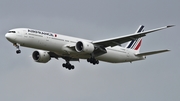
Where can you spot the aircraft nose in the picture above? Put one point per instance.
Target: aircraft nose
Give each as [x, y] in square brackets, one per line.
[9, 36]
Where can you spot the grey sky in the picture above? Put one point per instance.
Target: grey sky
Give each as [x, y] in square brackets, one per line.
[155, 79]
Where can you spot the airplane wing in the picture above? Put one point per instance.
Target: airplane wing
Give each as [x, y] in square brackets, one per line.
[151, 53]
[123, 39]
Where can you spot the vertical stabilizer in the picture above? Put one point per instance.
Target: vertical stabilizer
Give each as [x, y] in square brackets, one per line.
[136, 43]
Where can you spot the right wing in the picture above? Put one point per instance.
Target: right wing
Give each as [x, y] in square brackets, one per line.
[123, 39]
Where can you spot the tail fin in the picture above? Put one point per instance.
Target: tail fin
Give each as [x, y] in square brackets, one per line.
[136, 43]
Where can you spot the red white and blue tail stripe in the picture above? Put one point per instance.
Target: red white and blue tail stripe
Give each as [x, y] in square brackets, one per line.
[136, 44]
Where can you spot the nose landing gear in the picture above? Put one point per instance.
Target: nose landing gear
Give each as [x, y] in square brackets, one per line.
[18, 51]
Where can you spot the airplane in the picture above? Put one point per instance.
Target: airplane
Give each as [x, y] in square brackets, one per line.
[51, 45]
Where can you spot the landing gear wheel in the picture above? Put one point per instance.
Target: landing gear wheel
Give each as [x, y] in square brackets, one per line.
[17, 47]
[93, 61]
[72, 67]
[97, 62]
[68, 66]
[64, 65]
[18, 51]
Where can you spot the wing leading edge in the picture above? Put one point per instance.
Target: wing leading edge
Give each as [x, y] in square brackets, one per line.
[123, 39]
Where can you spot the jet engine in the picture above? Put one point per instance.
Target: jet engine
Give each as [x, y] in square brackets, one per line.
[86, 47]
[41, 56]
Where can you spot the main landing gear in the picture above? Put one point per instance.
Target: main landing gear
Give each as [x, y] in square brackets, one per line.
[18, 51]
[67, 65]
[93, 60]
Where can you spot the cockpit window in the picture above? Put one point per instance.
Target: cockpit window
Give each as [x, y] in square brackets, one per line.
[12, 32]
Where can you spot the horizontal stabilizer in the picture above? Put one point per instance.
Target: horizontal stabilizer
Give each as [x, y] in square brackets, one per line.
[151, 53]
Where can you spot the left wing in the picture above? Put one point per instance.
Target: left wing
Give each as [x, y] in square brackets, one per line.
[123, 39]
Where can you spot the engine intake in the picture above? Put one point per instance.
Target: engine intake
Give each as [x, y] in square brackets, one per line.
[41, 56]
[85, 47]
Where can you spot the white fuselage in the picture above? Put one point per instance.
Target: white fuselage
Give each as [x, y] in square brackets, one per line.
[58, 44]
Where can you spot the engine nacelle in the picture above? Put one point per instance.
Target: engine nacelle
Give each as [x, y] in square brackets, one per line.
[41, 56]
[86, 47]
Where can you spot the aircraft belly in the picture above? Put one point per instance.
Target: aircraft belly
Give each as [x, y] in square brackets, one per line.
[114, 56]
